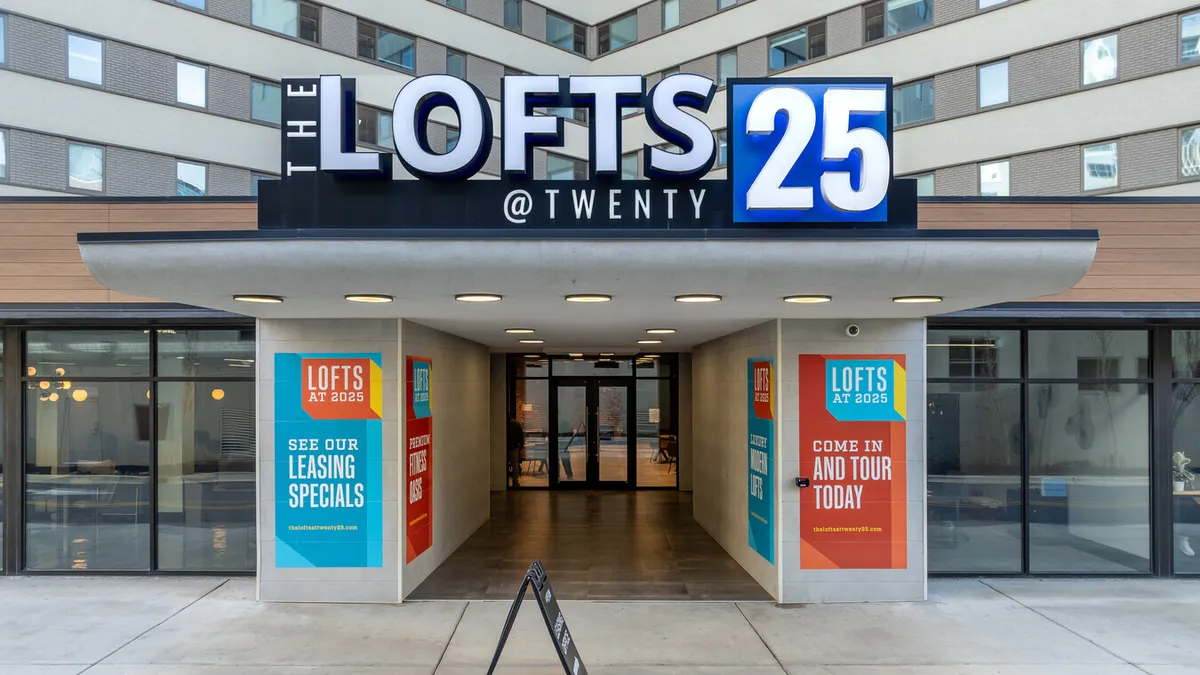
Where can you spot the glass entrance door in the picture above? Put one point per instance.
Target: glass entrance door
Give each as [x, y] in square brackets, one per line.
[593, 434]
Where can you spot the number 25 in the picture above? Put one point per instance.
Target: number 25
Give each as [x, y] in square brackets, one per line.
[767, 191]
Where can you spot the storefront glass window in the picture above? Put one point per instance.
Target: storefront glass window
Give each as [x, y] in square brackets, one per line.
[971, 353]
[657, 435]
[206, 353]
[528, 432]
[78, 354]
[1185, 450]
[1089, 354]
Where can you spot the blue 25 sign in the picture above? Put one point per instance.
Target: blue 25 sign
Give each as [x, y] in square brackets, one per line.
[810, 150]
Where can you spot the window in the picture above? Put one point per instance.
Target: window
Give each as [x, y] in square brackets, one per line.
[456, 64]
[195, 4]
[3, 154]
[568, 113]
[993, 84]
[669, 72]
[725, 4]
[670, 14]
[1100, 59]
[290, 17]
[451, 138]
[374, 126]
[265, 102]
[1094, 368]
[567, 34]
[1100, 167]
[912, 103]
[796, 46]
[722, 148]
[85, 59]
[191, 180]
[925, 185]
[727, 67]
[629, 166]
[255, 179]
[379, 44]
[984, 4]
[1189, 36]
[512, 14]
[457, 4]
[993, 179]
[3, 44]
[85, 167]
[565, 168]
[191, 84]
[885, 18]
[1189, 153]
[618, 33]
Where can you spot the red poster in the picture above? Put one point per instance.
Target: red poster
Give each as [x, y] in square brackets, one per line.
[853, 451]
[418, 432]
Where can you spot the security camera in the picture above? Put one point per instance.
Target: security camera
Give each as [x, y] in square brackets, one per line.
[852, 330]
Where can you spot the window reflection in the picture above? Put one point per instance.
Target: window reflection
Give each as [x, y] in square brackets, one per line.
[528, 434]
[87, 353]
[657, 435]
[971, 353]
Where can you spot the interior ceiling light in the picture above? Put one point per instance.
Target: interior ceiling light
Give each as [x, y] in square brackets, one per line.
[661, 331]
[807, 299]
[518, 331]
[606, 354]
[263, 299]
[479, 297]
[649, 342]
[574, 355]
[532, 342]
[588, 297]
[533, 356]
[649, 356]
[368, 297]
[917, 299]
[698, 297]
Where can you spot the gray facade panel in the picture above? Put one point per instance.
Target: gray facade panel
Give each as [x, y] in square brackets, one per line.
[593, 41]
[1052, 173]
[533, 21]
[705, 66]
[956, 93]
[649, 19]
[229, 93]
[36, 160]
[228, 181]
[1050, 71]
[957, 181]
[237, 11]
[485, 75]
[430, 58]
[1148, 160]
[133, 71]
[945, 11]
[695, 10]
[752, 58]
[491, 11]
[36, 48]
[1148, 48]
[130, 173]
[844, 31]
[339, 32]
[652, 79]
[492, 166]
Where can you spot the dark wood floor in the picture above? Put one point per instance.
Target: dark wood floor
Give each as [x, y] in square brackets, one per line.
[594, 546]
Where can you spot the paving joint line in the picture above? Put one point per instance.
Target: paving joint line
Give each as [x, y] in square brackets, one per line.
[760, 637]
[1072, 632]
[446, 649]
[137, 637]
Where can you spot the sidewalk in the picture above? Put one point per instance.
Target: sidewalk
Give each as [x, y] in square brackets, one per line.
[209, 626]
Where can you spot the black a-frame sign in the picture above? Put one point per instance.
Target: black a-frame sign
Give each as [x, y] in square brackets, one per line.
[556, 623]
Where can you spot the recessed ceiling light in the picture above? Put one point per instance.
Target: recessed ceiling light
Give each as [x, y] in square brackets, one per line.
[533, 356]
[518, 331]
[532, 342]
[807, 299]
[698, 297]
[574, 355]
[661, 331]
[649, 342]
[263, 299]
[368, 297]
[588, 297]
[649, 356]
[917, 299]
[606, 354]
[478, 297]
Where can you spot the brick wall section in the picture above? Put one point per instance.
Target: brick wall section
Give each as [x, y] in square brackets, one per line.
[491, 11]
[652, 79]
[955, 93]
[36, 160]
[1052, 173]
[649, 19]
[1147, 160]
[228, 181]
[237, 11]
[957, 181]
[533, 21]
[1050, 71]
[485, 75]
[431, 57]
[36, 48]
[752, 58]
[844, 31]
[705, 66]
[695, 10]
[129, 173]
[945, 11]
[1149, 47]
[539, 164]
[492, 165]
[339, 32]
[134, 71]
[229, 93]
[436, 133]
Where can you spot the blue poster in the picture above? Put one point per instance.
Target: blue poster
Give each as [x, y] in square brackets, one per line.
[328, 460]
[760, 393]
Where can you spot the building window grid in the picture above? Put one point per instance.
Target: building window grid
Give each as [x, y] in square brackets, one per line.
[912, 103]
[85, 167]
[277, 16]
[620, 32]
[389, 47]
[3, 154]
[1189, 152]
[670, 14]
[565, 33]
[85, 59]
[1100, 59]
[456, 64]
[512, 14]
[3, 39]
[1189, 37]
[887, 18]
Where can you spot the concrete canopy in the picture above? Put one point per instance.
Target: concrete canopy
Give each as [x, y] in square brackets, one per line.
[862, 271]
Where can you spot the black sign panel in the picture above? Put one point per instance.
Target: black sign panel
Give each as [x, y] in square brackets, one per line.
[564, 642]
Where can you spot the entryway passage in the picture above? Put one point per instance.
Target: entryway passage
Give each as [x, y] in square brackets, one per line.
[595, 546]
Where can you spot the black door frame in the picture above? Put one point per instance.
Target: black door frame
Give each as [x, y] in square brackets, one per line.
[591, 480]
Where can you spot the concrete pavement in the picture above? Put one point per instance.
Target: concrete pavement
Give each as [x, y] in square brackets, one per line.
[206, 626]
